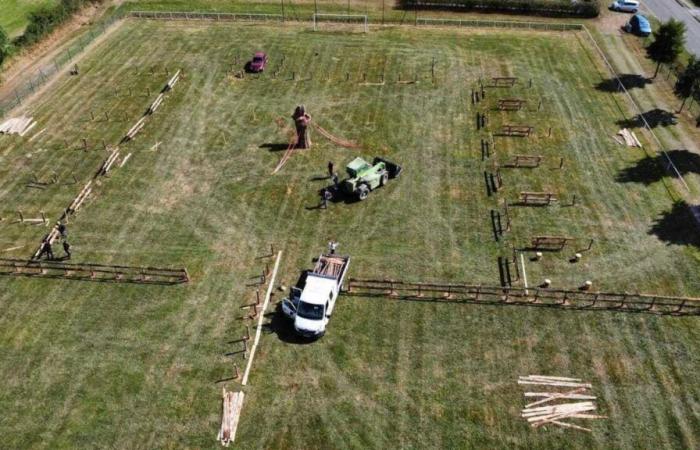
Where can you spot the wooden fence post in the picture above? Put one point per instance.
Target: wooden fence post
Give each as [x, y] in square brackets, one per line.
[680, 307]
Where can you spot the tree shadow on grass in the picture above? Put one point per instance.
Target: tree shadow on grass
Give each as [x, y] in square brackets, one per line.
[275, 147]
[677, 226]
[655, 117]
[629, 81]
[651, 169]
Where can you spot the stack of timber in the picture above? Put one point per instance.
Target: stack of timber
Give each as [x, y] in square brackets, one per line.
[156, 103]
[80, 199]
[329, 266]
[109, 162]
[629, 137]
[554, 406]
[172, 81]
[232, 404]
[19, 125]
[135, 129]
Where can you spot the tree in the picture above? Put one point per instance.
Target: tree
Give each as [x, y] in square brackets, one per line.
[688, 83]
[668, 43]
[4, 45]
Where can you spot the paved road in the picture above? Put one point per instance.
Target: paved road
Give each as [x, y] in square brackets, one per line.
[666, 9]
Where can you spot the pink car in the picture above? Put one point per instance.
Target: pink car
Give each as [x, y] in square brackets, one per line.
[257, 64]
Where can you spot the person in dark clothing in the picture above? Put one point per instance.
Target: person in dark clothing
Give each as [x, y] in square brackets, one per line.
[46, 250]
[325, 196]
[334, 177]
[63, 231]
[330, 169]
[66, 248]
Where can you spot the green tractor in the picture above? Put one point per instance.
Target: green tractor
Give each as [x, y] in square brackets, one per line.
[364, 177]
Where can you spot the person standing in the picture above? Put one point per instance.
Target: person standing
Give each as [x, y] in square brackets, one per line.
[330, 169]
[325, 196]
[334, 177]
[332, 246]
[62, 230]
[66, 248]
[46, 250]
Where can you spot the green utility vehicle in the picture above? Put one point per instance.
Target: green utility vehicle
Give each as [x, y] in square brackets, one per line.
[364, 177]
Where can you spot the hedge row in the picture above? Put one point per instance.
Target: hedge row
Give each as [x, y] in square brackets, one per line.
[44, 20]
[551, 8]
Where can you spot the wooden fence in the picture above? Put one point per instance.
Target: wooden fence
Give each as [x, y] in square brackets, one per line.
[93, 272]
[554, 298]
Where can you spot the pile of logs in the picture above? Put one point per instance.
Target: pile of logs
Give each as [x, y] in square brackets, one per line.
[80, 199]
[19, 125]
[156, 103]
[232, 404]
[135, 129]
[109, 162]
[549, 409]
[629, 137]
[172, 81]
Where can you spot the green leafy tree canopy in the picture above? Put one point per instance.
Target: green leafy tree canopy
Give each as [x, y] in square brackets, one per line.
[668, 43]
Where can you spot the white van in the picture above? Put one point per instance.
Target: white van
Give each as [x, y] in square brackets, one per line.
[630, 6]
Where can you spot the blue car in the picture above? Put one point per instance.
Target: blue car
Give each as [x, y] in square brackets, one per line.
[638, 25]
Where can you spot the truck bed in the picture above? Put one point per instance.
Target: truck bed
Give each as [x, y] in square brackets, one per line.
[331, 266]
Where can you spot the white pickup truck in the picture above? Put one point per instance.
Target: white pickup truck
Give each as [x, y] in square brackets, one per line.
[312, 306]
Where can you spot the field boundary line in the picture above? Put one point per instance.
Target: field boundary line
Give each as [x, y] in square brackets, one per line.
[434, 21]
[258, 331]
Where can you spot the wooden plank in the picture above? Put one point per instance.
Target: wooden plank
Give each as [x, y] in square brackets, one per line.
[555, 397]
[570, 425]
[258, 332]
[555, 383]
[537, 415]
[547, 377]
[568, 397]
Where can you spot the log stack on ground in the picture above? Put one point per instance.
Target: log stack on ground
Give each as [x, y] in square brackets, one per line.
[109, 162]
[232, 404]
[135, 129]
[552, 406]
[18, 125]
[171, 83]
[629, 137]
[156, 103]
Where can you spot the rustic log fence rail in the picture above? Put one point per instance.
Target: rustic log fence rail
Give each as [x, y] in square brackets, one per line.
[93, 272]
[556, 298]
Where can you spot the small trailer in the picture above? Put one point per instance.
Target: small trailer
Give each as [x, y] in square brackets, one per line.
[311, 306]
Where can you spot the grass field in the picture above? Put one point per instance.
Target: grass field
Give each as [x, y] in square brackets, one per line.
[14, 13]
[94, 365]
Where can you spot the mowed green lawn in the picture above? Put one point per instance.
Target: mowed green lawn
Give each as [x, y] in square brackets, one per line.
[93, 365]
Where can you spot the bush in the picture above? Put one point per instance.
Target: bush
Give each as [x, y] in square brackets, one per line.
[44, 20]
[4, 45]
[552, 8]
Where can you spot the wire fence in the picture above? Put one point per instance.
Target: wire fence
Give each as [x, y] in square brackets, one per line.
[640, 114]
[546, 26]
[215, 16]
[35, 80]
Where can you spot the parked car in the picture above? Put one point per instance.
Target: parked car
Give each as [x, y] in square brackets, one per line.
[638, 25]
[258, 63]
[630, 6]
